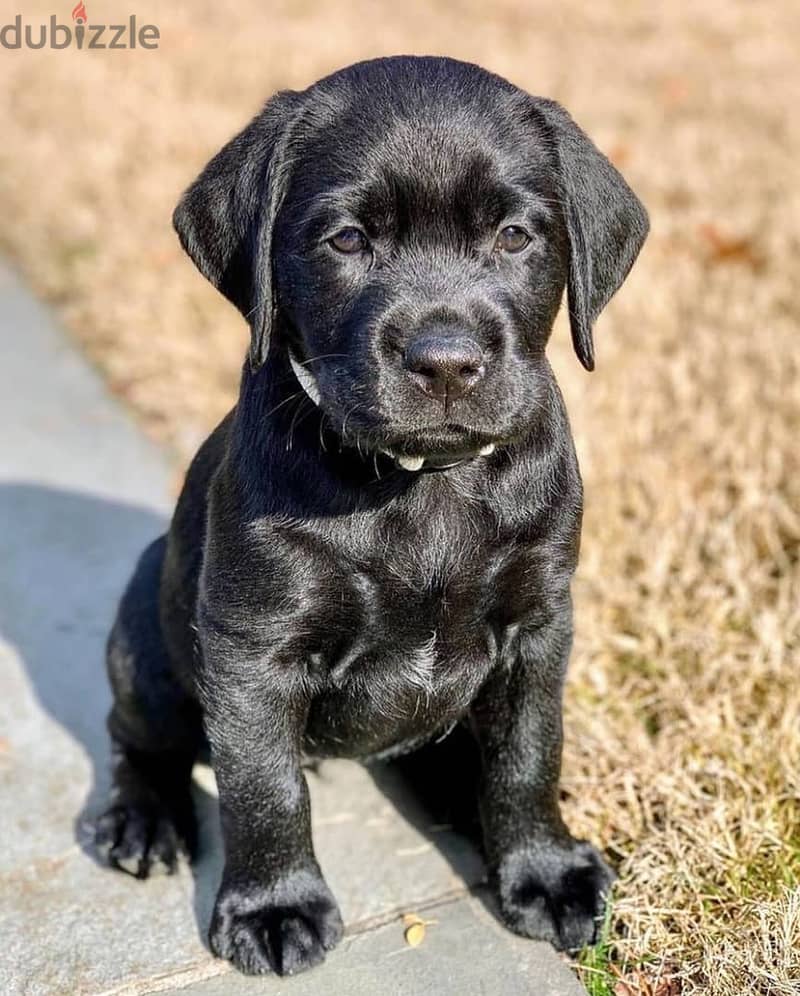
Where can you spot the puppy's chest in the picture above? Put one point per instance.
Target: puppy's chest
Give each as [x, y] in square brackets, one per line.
[406, 657]
[430, 577]
[404, 628]
[432, 594]
[402, 670]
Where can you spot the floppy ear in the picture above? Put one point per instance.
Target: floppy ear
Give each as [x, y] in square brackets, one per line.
[225, 219]
[606, 224]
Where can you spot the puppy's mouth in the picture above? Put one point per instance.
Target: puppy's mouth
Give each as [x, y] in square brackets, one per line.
[412, 449]
[437, 462]
[444, 447]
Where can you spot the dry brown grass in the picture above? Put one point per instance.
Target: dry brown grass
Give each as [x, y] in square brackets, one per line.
[684, 705]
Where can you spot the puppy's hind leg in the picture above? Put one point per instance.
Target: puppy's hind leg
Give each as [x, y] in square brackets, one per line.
[155, 735]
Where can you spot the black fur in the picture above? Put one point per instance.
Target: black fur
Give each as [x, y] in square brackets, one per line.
[313, 598]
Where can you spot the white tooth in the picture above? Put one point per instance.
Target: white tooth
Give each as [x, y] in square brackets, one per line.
[486, 450]
[411, 463]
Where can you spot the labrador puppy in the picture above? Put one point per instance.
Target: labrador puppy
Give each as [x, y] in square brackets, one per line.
[374, 549]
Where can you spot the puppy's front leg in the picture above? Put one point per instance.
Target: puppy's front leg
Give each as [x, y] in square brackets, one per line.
[549, 885]
[274, 911]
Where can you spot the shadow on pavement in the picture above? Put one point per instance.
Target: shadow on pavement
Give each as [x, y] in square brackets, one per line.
[435, 788]
[65, 559]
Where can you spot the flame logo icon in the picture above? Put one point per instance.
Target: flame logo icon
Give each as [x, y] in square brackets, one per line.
[79, 12]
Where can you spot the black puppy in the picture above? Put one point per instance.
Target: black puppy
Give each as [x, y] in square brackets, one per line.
[377, 543]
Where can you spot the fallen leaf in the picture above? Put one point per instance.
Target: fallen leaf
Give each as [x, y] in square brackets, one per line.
[724, 247]
[675, 90]
[415, 929]
[415, 934]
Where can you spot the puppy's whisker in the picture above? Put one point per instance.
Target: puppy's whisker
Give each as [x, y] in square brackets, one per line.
[294, 423]
[257, 307]
[285, 402]
[355, 407]
[322, 356]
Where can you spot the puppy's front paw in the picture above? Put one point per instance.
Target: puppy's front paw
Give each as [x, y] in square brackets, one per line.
[285, 927]
[554, 890]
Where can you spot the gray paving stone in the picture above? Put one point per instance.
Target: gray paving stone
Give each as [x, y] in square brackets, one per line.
[81, 492]
[464, 951]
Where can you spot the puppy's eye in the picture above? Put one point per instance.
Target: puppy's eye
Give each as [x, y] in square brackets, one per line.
[349, 241]
[512, 239]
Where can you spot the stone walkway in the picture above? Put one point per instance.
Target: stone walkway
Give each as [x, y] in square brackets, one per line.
[81, 492]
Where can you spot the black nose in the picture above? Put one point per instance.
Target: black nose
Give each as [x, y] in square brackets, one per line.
[445, 367]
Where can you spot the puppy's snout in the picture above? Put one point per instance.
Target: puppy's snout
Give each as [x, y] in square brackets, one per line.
[445, 367]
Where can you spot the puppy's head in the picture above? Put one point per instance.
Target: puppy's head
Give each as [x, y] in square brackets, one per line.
[405, 229]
